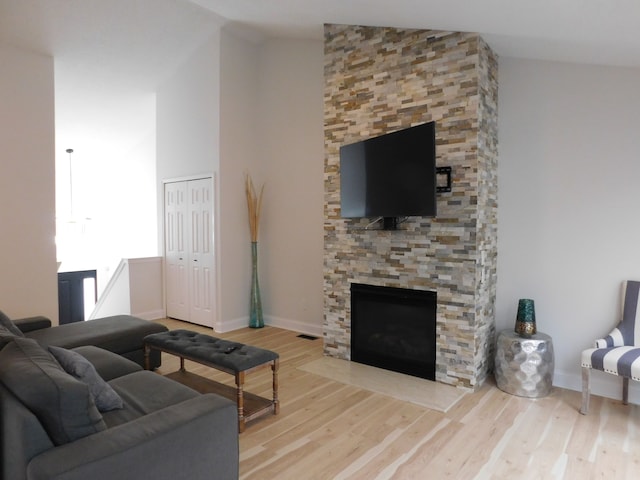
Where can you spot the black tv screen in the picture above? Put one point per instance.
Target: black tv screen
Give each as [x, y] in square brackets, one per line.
[392, 175]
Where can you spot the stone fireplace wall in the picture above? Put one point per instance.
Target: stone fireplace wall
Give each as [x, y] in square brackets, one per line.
[378, 80]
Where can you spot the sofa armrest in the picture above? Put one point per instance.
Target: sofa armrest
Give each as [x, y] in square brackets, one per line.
[197, 438]
[32, 323]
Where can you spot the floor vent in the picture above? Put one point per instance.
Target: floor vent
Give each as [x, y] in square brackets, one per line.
[307, 337]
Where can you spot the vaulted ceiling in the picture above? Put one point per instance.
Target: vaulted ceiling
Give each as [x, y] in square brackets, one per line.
[110, 54]
[585, 31]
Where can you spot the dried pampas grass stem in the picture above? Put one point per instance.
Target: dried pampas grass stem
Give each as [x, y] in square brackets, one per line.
[254, 204]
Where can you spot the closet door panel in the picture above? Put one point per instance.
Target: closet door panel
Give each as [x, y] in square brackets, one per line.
[201, 263]
[176, 255]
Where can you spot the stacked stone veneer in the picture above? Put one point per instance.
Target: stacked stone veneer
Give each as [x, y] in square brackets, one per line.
[378, 80]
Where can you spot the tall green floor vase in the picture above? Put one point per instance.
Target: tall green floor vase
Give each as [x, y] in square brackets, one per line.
[255, 309]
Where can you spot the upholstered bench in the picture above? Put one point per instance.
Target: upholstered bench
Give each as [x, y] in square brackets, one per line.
[230, 357]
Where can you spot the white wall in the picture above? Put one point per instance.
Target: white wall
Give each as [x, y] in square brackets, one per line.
[240, 153]
[187, 116]
[28, 285]
[116, 189]
[207, 124]
[568, 195]
[187, 126]
[145, 278]
[292, 141]
[136, 289]
[270, 126]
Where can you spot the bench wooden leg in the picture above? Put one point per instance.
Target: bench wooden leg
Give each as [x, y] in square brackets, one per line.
[276, 402]
[182, 364]
[239, 386]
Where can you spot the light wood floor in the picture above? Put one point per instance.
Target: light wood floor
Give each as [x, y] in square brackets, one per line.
[329, 430]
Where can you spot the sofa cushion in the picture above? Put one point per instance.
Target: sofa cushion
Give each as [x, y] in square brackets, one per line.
[79, 367]
[109, 365]
[118, 334]
[121, 334]
[9, 325]
[145, 392]
[62, 403]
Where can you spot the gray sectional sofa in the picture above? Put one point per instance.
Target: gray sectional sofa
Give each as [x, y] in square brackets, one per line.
[121, 334]
[85, 412]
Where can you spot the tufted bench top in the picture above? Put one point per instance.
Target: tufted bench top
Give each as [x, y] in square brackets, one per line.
[232, 356]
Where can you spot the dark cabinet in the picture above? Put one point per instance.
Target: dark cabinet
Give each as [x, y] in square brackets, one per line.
[71, 291]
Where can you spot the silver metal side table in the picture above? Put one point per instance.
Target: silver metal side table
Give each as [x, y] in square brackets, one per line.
[524, 366]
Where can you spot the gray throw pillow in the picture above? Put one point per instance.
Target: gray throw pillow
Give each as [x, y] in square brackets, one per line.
[62, 403]
[5, 336]
[9, 325]
[75, 364]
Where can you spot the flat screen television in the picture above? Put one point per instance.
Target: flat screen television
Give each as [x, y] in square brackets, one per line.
[390, 176]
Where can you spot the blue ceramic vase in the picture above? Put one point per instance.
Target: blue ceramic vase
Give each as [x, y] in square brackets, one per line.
[255, 308]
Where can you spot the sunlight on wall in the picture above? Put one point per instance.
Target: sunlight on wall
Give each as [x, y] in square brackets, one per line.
[113, 215]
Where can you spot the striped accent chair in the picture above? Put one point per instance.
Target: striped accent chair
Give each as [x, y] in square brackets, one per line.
[619, 352]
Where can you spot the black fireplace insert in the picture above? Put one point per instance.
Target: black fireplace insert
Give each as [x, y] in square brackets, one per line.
[394, 328]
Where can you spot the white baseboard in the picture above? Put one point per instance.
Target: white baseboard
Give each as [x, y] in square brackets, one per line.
[294, 325]
[150, 315]
[602, 384]
[273, 321]
[231, 325]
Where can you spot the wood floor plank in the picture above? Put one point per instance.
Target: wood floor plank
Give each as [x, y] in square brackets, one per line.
[419, 461]
[393, 451]
[332, 431]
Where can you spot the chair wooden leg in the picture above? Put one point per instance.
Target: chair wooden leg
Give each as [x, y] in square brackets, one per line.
[625, 390]
[586, 389]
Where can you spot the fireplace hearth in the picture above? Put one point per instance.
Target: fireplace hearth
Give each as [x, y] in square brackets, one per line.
[394, 328]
